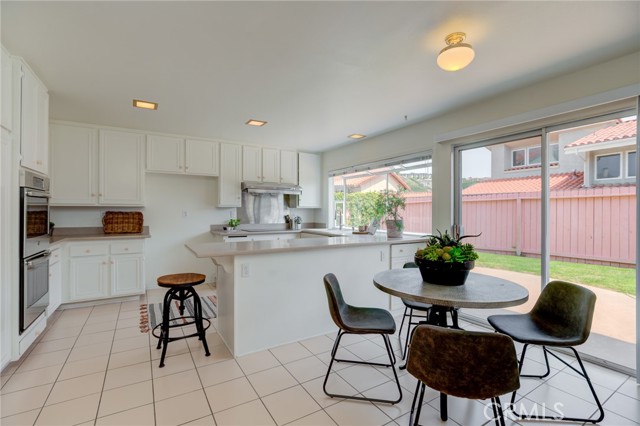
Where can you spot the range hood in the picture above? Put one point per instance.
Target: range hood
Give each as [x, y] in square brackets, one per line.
[271, 188]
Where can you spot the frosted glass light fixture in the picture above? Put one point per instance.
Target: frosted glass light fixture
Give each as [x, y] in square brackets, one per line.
[457, 54]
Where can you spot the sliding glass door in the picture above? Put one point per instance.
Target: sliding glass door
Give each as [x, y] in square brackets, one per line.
[560, 203]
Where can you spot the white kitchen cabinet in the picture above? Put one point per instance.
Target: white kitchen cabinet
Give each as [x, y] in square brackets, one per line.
[55, 281]
[269, 165]
[401, 254]
[182, 156]
[92, 167]
[100, 269]
[7, 105]
[74, 165]
[289, 167]
[230, 175]
[310, 180]
[121, 157]
[34, 120]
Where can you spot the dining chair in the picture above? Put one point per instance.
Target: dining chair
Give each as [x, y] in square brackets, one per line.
[561, 318]
[409, 307]
[465, 364]
[358, 320]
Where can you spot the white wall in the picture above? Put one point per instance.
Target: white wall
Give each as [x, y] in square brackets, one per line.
[604, 77]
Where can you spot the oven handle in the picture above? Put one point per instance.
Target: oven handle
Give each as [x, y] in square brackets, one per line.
[37, 259]
[37, 194]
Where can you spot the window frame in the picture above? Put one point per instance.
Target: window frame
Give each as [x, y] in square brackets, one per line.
[620, 165]
[524, 157]
[626, 171]
[529, 163]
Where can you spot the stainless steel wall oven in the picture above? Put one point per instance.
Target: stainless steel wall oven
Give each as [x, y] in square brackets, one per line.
[34, 247]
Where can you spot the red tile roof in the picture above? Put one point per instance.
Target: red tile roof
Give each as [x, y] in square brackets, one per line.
[560, 181]
[622, 130]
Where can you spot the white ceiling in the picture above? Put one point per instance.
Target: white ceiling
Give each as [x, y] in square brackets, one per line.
[316, 71]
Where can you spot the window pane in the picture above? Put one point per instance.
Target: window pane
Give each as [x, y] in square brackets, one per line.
[535, 155]
[631, 164]
[554, 156]
[608, 166]
[517, 158]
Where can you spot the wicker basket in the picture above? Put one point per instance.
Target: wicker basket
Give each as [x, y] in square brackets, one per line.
[122, 222]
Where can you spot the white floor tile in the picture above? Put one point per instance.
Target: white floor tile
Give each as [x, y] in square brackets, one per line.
[230, 394]
[125, 398]
[172, 365]
[75, 388]
[318, 344]
[362, 377]
[191, 405]
[22, 419]
[33, 378]
[319, 418]
[290, 352]
[175, 384]
[70, 412]
[357, 413]
[624, 406]
[250, 414]
[258, 361]
[335, 385]
[134, 356]
[307, 369]
[220, 372]
[128, 375]
[140, 416]
[270, 381]
[81, 368]
[24, 400]
[290, 404]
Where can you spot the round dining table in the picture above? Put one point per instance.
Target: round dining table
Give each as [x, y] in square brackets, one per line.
[480, 292]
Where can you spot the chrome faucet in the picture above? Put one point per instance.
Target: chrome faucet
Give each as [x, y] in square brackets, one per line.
[338, 217]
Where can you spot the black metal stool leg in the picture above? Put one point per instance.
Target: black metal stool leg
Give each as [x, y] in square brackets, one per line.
[197, 306]
[166, 310]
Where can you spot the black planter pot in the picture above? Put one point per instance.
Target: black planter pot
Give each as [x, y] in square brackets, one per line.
[443, 273]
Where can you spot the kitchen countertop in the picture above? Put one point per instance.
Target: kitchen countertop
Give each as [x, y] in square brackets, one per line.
[204, 250]
[92, 233]
[247, 230]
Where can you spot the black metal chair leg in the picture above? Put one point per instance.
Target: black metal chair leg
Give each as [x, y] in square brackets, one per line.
[413, 421]
[500, 415]
[404, 316]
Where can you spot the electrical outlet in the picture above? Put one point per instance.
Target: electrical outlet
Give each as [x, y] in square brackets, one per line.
[245, 270]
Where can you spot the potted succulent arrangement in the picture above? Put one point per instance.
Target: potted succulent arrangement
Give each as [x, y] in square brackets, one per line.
[232, 224]
[394, 203]
[446, 260]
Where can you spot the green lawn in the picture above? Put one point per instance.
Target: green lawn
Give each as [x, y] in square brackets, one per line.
[622, 280]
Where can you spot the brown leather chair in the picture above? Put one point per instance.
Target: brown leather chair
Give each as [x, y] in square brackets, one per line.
[560, 318]
[465, 364]
[358, 320]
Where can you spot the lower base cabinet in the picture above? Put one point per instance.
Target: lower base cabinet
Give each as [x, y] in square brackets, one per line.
[99, 269]
[401, 254]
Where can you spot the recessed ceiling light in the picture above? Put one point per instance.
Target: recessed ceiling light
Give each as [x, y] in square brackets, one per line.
[357, 136]
[145, 104]
[256, 123]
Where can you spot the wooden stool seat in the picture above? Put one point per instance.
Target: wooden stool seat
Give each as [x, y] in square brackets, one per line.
[183, 279]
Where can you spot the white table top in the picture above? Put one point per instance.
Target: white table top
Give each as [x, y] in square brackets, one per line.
[480, 291]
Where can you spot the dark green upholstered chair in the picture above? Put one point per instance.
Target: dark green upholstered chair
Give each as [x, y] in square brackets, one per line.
[357, 320]
[465, 364]
[560, 318]
[409, 307]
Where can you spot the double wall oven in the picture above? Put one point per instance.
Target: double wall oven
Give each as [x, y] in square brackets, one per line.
[34, 247]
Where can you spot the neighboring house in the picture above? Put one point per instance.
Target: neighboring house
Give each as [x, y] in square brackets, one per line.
[522, 157]
[609, 154]
[371, 183]
[557, 182]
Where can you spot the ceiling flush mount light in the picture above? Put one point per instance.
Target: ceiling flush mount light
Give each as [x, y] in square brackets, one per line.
[357, 136]
[256, 123]
[457, 54]
[145, 104]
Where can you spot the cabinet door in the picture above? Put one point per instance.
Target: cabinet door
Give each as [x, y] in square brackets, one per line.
[202, 158]
[88, 278]
[121, 168]
[289, 167]
[271, 165]
[127, 276]
[34, 122]
[310, 180]
[74, 165]
[165, 154]
[6, 74]
[55, 287]
[230, 175]
[251, 164]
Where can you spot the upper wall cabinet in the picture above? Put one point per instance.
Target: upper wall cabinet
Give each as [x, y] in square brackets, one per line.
[310, 177]
[269, 165]
[92, 167]
[6, 73]
[182, 156]
[230, 176]
[34, 119]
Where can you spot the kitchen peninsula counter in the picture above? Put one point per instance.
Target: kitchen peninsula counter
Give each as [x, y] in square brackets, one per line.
[271, 293]
[92, 233]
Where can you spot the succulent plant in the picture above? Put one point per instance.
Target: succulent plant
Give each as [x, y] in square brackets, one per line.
[448, 248]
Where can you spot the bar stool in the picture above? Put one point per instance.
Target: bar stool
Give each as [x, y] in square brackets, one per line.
[180, 288]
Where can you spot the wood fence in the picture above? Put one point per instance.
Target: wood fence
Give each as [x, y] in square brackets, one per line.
[589, 225]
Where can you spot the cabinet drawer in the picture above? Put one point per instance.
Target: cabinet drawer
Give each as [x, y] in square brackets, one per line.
[405, 250]
[126, 247]
[80, 250]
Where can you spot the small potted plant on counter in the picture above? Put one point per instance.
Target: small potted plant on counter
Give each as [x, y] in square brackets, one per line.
[232, 224]
[446, 260]
[394, 203]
